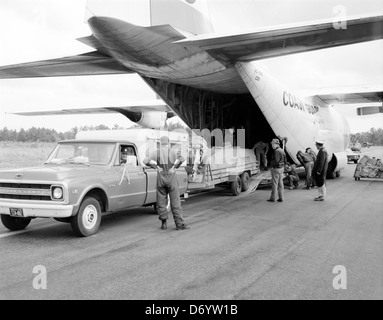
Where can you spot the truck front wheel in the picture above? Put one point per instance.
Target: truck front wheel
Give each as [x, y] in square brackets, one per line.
[14, 223]
[87, 221]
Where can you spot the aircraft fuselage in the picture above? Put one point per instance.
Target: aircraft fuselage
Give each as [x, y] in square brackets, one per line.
[154, 55]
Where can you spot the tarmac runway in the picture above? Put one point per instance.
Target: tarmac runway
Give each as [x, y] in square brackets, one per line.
[238, 248]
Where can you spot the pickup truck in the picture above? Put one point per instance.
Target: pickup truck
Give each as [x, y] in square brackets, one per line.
[82, 180]
[353, 156]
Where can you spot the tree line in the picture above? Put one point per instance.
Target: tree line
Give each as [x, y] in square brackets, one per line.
[46, 135]
[374, 136]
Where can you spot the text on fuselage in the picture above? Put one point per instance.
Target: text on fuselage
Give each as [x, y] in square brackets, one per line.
[294, 102]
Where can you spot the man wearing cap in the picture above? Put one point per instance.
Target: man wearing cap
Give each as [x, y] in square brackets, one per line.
[278, 160]
[165, 161]
[320, 169]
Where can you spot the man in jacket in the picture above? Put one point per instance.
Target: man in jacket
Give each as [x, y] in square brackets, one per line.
[277, 164]
[320, 170]
[166, 161]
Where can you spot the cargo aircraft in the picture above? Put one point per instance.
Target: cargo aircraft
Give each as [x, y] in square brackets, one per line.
[214, 81]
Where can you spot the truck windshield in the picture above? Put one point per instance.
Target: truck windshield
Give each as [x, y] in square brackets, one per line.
[82, 153]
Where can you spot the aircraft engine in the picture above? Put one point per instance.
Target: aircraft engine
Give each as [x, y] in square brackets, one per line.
[148, 119]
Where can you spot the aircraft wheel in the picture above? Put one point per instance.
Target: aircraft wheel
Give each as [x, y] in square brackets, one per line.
[236, 186]
[331, 175]
[14, 223]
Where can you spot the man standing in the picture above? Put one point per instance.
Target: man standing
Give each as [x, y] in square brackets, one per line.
[261, 148]
[320, 170]
[307, 160]
[277, 164]
[165, 161]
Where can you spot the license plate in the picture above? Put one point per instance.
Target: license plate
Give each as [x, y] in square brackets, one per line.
[16, 212]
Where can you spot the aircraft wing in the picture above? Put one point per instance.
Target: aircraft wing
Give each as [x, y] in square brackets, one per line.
[347, 95]
[91, 63]
[283, 40]
[134, 107]
[153, 48]
[368, 97]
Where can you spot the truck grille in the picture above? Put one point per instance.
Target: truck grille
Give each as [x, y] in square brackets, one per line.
[25, 191]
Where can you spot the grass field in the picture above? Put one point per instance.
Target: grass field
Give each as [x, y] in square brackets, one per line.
[28, 154]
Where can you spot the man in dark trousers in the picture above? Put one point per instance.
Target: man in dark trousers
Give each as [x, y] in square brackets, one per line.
[320, 169]
[166, 161]
[277, 164]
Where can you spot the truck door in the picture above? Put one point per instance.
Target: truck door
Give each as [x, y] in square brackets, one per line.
[131, 182]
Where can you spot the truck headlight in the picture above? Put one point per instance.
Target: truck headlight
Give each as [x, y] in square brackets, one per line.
[57, 193]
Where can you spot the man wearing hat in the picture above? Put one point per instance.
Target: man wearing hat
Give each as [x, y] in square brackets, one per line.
[165, 161]
[278, 160]
[320, 169]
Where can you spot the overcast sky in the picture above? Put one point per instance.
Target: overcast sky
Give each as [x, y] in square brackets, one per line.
[33, 30]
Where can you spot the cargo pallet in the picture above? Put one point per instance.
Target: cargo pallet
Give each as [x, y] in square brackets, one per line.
[369, 168]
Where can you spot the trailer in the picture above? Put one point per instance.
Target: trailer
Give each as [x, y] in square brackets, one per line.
[233, 166]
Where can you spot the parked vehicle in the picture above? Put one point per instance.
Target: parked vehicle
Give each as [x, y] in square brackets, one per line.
[84, 179]
[355, 146]
[352, 156]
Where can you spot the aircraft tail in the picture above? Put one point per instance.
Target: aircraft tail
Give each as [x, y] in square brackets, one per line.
[188, 15]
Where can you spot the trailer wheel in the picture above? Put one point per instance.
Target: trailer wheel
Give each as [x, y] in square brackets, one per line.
[245, 177]
[236, 186]
[14, 223]
[87, 221]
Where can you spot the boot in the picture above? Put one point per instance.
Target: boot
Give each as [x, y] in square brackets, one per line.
[164, 225]
[182, 227]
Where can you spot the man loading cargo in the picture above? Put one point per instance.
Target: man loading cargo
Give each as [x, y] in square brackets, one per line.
[307, 159]
[261, 148]
[278, 162]
[165, 161]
